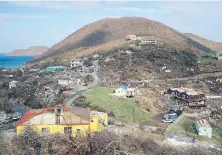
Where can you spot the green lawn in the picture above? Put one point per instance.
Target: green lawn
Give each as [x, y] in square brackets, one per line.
[185, 125]
[125, 110]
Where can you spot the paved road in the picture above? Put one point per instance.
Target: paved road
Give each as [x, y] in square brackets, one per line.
[95, 83]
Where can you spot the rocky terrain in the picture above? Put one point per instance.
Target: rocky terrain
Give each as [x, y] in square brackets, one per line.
[31, 51]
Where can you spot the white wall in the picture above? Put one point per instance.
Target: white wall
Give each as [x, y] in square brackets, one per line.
[120, 92]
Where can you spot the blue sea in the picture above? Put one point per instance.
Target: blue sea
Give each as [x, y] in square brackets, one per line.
[13, 61]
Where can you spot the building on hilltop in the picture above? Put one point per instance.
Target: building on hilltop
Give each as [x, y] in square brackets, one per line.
[203, 128]
[73, 121]
[131, 37]
[147, 40]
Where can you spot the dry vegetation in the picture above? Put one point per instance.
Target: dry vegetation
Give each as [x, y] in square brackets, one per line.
[102, 143]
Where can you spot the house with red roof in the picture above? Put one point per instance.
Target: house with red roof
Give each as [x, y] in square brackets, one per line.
[74, 121]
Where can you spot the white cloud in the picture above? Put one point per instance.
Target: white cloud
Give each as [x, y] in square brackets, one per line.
[59, 5]
[6, 16]
[136, 10]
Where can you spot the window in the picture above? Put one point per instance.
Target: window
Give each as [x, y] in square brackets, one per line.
[78, 132]
[45, 130]
[67, 130]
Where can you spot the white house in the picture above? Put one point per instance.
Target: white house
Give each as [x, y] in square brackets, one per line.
[76, 62]
[121, 91]
[13, 84]
[125, 91]
[64, 82]
[131, 37]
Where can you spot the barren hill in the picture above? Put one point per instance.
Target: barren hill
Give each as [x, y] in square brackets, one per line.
[208, 43]
[31, 51]
[112, 29]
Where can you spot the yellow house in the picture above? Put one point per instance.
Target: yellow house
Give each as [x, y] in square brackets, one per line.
[74, 121]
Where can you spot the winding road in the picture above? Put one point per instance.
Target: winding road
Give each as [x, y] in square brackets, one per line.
[80, 92]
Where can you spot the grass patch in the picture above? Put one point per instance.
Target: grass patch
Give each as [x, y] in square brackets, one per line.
[185, 125]
[125, 110]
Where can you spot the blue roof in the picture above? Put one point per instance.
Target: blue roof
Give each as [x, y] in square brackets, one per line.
[124, 87]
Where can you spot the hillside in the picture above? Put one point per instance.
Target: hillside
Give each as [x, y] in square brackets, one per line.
[215, 46]
[31, 51]
[113, 29]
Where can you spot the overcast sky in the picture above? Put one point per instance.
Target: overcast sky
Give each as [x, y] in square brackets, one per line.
[25, 24]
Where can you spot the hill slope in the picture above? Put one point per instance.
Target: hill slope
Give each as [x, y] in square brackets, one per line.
[31, 51]
[208, 43]
[112, 29]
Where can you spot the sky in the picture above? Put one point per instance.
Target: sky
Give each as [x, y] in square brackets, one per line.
[36, 23]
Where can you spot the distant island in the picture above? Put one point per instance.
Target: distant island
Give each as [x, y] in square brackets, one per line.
[31, 51]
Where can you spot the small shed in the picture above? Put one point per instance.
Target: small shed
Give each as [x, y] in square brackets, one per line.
[203, 128]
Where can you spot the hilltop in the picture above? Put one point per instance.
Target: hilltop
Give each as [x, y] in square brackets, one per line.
[213, 45]
[103, 33]
[31, 51]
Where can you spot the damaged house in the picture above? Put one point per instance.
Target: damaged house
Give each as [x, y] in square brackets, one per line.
[73, 121]
[147, 40]
[192, 97]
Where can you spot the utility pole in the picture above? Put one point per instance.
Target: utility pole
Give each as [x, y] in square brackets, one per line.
[133, 115]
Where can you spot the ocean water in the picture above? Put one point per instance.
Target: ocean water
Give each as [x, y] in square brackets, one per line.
[13, 61]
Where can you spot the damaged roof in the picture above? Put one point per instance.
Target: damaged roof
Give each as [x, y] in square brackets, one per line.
[70, 115]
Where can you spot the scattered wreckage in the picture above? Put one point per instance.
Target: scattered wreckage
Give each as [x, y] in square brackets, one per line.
[192, 98]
